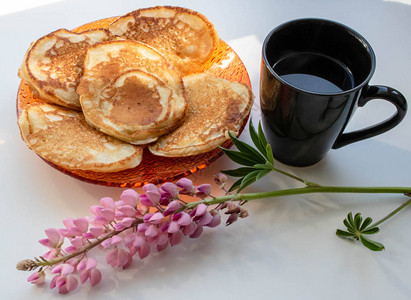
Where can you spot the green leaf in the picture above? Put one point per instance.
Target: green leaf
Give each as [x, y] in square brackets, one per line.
[350, 219]
[344, 233]
[246, 148]
[372, 245]
[240, 172]
[255, 138]
[365, 224]
[262, 167]
[371, 230]
[349, 226]
[270, 156]
[357, 221]
[235, 185]
[262, 173]
[239, 157]
[261, 136]
[248, 179]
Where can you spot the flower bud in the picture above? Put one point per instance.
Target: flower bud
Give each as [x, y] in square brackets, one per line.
[220, 179]
[186, 186]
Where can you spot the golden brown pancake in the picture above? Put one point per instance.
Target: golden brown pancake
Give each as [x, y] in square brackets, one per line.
[63, 137]
[215, 105]
[187, 38]
[136, 107]
[133, 115]
[53, 64]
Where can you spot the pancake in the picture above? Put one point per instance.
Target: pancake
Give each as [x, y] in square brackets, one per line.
[104, 65]
[185, 37]
[135, 108]
[63, 137]
[53, 65]
[215, 105]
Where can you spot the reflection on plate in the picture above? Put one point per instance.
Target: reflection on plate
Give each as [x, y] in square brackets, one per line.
[155, 169]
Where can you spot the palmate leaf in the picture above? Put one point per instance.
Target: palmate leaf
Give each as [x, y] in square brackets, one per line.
[344, 233]
[262, 173]
[269, 152]
[256, 139]
[372, 245]
[248, 179]
[240, 172]
[240, 158]
[261, 136]
[366, 223]
[356, 229]
[257, 161]
[247, 149]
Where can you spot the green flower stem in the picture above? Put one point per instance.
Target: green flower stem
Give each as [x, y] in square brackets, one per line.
[304, 190]
[307, 183]
[289, 175]
[394, 212]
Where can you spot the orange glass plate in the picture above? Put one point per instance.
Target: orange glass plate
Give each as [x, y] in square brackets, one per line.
[155, 169]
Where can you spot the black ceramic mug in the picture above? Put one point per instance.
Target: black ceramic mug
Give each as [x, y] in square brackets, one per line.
[314, 74]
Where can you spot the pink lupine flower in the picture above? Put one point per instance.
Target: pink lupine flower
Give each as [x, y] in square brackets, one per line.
[216, 220]
[144, 251]
[50, 254]
[150, 198]
[220, 179]
[116, 240]
[81, 224]
[162, 238]
[172, 207]
[95, 210]
[108, 214]
[125, 223]
[94, 275]
[94, 232]
[190, 228]
[147, 217]
[129, 197]
[197, 232]
[186, 186]
[64, 283]
[184, 219]
[152, 195]
[162, 247]
[142, 227]
[53, 239]
[203, 190]
[139, 241]
[199, 210]
[173, 227]
[37, 278]
[127, 210]
[129, 239]
[108, 202]
[169, 192]
[63, 269]
[156, 218]
[151, 231]
[126, 228]
[176, 238]
[118, 258]
[205, 219]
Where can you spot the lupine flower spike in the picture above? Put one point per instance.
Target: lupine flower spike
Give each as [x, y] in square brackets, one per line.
[133, 226]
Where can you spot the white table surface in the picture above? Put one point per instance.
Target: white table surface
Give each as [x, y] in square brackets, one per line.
[287, 247]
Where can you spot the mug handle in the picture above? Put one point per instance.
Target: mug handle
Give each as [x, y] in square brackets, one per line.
[376, 92]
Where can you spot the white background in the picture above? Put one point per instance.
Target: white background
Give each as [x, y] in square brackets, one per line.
[287, 247]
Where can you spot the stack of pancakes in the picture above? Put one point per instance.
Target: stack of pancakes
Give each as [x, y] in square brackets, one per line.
[108, 93]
